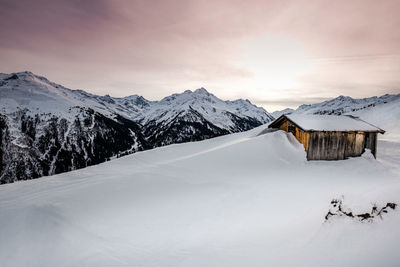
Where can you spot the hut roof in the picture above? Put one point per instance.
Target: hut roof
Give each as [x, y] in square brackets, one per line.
[328, 123]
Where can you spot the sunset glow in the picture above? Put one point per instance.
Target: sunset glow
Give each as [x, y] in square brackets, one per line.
[277, 62]
[276, 53]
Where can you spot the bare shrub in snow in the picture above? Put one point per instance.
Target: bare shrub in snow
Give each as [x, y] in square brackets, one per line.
[337, 209]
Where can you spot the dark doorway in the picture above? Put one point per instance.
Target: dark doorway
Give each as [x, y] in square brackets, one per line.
[292, 129]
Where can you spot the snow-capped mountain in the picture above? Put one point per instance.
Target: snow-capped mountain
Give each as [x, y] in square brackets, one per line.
[46, 128]
[197, 115]
[341, 105]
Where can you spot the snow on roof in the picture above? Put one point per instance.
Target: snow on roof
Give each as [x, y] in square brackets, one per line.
[331, 123]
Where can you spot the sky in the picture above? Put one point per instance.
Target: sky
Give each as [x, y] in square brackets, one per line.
[275, 53]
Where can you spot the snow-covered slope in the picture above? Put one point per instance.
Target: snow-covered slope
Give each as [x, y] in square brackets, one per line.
[238, 200]
[25, 90]
[385, 115]
[46, 128]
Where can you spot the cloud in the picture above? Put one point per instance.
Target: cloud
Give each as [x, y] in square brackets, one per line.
[158, 47]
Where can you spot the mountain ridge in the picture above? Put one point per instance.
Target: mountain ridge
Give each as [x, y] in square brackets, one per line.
[340, 105]
[46, 128]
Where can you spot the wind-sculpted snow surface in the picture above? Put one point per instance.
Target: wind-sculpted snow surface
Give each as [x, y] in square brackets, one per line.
[46, 128]
[245, 199]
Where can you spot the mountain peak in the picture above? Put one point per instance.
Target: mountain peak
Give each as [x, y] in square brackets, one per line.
[27, 72]
[345, 105]
[21, 74]
[342, 97]
[16, 75]
[41, 91]
[202, 91]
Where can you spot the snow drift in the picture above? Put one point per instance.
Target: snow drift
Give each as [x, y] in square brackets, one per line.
[245, 199]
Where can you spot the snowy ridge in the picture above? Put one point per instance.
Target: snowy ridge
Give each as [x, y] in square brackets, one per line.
[342, 105]
[36, 93]
[209, 106]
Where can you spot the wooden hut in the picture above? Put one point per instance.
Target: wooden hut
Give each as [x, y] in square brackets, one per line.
[329, 137]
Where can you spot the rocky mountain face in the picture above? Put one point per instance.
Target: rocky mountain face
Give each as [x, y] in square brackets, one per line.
[35, 145]
[47, 129]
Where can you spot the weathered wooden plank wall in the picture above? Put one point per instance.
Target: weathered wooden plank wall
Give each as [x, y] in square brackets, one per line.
[284, 126]
[332, 145]
[340, 145]
[355, 144]
[301, 136]
[327, 146]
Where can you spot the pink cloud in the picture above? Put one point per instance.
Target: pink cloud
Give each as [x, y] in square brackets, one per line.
[149, 46]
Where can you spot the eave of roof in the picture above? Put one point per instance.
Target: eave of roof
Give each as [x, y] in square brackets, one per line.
[281, 118]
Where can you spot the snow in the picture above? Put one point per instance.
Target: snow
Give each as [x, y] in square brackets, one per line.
[276, 114]
[246, 199]
[209, 106]
[239, 200]
[345, 104]
[39, 95]
[386, 116]
[331, 123]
